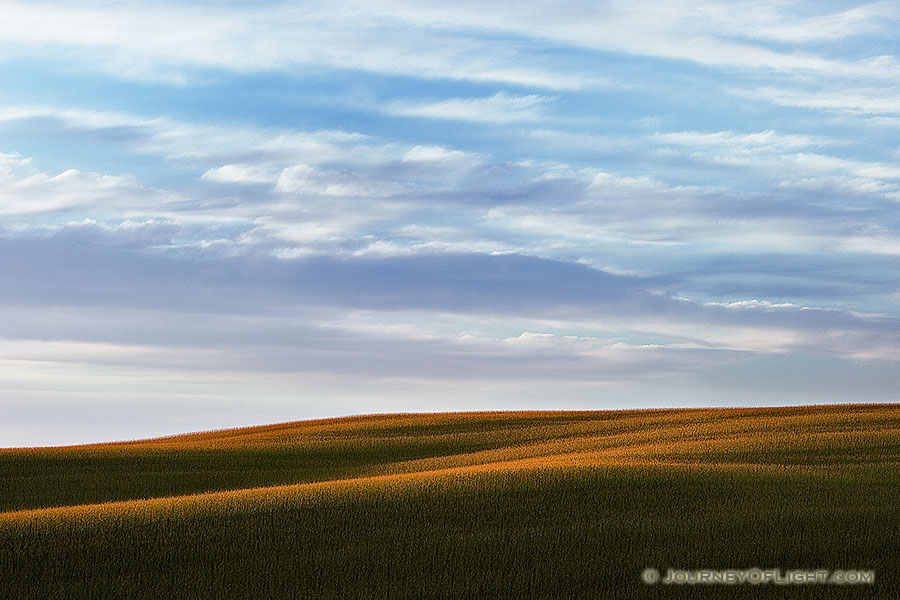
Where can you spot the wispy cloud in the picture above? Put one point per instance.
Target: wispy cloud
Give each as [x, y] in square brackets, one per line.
[770, 23]
[768, 141]
[703, 32]
[430, 40]
[499, 108]
[171, 43]
[853, 99]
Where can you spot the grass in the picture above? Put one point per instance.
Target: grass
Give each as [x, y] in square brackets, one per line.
[477, 505]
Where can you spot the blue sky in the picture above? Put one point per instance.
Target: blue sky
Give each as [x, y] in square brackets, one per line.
[220, 214]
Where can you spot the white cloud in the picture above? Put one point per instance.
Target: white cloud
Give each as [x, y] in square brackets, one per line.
[878, 244]
[381, 179]
[166, 42]
[422, 239]
[830, 164]
[441, 155]
[788, 161]
[876, 100]
[499, 108]
[237, 173]
[26, 191]
[12, 162]
[822, 172]
[705, 32]
[768, 141]
[432, 40]
[754, 303]
[205, 143]
[306, 180]
[774, 20]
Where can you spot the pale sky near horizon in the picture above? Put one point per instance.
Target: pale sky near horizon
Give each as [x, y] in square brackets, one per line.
[218, 214]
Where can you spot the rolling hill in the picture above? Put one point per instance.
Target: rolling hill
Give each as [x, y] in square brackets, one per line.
[462, 505]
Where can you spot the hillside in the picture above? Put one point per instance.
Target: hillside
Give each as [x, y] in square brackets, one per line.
[494, 505]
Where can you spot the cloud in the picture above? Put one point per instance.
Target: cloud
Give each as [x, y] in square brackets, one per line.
[25, 191]
[499, 108]
[887, 246]
[172, 43]
[768, 141]
[273, 190]
[875, 100]
[333, 207]
[213, 145]
[440, 155]
[368, 196]
[770, 24]
[86, 264]
[305, 180]
[429, 40]
[237, 173]
[704, 32]
[127, 317]
[133, 267]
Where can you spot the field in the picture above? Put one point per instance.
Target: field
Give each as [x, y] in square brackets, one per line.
[462, 505]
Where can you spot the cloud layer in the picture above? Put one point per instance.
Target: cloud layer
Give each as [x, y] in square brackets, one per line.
[279, 210]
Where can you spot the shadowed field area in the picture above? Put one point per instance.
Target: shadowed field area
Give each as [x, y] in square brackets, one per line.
[463, 505]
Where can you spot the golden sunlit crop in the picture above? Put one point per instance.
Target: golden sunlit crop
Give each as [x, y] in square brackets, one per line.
[505, 504]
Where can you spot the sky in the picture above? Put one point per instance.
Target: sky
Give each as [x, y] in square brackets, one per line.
[217, 214]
